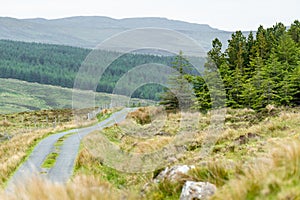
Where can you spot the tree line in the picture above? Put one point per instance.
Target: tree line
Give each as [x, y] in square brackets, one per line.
[59, 65]
[255, 70]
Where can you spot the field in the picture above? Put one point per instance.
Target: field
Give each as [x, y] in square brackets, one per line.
[20, 96]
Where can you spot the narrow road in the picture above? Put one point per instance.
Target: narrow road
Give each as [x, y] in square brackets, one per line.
[63, 168]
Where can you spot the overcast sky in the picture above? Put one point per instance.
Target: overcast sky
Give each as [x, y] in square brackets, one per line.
[227, 15]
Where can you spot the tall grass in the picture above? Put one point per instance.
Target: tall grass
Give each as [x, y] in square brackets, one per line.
[274, 176]
[80, 188]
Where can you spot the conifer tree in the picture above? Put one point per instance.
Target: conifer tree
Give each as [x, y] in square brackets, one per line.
[179, 94]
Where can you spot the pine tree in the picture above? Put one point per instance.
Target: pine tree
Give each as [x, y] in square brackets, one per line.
[208, 88]
[261, 45]
[179, 94]
[294, 32]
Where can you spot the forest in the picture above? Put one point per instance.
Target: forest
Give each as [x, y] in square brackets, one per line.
[58, 65]
[255, 70]
[261, 70]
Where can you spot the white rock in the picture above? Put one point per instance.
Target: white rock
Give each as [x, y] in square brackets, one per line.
[174, 173]
[197, 190]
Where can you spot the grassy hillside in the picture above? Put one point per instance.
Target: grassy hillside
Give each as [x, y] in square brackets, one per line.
[20, 96]
[250, 147]
[256, 156]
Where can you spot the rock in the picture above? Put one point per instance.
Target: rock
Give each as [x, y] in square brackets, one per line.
[197, 190]
[162, 133]
[174, 173]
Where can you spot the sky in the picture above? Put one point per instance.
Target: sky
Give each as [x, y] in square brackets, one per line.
[229, 15]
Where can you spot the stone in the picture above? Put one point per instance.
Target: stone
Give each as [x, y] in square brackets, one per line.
[174, 173]
[197, 190]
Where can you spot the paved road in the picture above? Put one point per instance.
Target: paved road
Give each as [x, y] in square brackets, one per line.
[63, 168]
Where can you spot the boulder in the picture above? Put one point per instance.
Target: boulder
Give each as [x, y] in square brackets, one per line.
[174, 173]
[197, 190]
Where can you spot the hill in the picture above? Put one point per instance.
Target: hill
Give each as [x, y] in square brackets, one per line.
[19, 96]
[90, 31]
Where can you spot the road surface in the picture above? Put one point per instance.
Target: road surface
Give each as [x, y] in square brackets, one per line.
[63, 168]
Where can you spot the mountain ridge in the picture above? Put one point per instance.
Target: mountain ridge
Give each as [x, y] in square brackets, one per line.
[89, 31]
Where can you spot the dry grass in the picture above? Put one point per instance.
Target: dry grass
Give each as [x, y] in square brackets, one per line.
[16, 123]
[273, 176]
[5, 123]
[145, 115]
[80, 188]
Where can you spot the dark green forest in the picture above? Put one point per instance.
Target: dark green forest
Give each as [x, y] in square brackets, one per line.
[256, 70]
[260, 70]
[58, 65]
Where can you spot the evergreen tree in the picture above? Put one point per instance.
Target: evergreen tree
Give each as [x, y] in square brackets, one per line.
[294, 32]
[261, 45]
[179, 94]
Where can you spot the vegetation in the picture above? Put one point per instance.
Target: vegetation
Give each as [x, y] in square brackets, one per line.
[178, 95]
[257, 71]
[50, 160]
[105, 114]
[41, 97]
[58, 65]
[234, 165]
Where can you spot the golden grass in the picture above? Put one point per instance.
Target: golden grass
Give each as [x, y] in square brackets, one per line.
[80, 188]
[16, 123]
[5, 123]
[273, 176]
[145, 115]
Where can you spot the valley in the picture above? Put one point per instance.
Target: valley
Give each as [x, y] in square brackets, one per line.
[226, 129]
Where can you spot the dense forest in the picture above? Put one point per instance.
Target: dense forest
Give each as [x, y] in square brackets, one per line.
[58, 65]
[255, 70]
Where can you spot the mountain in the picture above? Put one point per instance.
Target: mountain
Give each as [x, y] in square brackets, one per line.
[89, 31]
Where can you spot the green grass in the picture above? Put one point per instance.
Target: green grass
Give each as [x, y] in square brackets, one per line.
[20, 96]
[103, 116]
[50, 160]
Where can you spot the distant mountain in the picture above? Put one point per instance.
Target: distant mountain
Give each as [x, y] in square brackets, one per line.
[89, 31]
